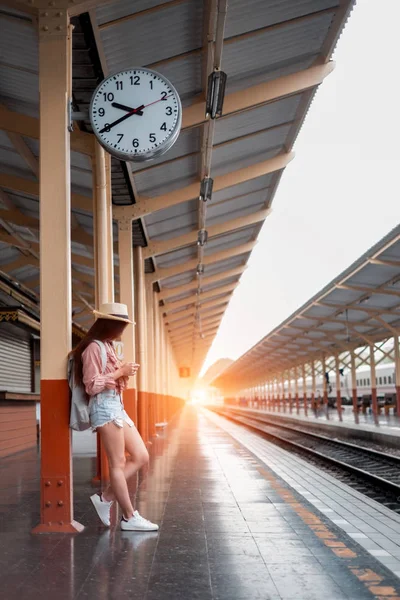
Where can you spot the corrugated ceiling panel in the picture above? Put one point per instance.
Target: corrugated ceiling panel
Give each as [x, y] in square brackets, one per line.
[236, 207]
[230, 240]
[177, 256]
[173, 30]
[158, 218]
[169, 177]
[117, 10]
[373, 275]
[18, 85]
[274, 48]
[259, 183]
[263, 14]
[8, 254]
[13, 163]
[5, 142]
[251, 121]
[241, 154]
[183, 223]
[19, 44]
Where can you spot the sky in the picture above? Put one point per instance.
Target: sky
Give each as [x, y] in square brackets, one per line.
[340, 194]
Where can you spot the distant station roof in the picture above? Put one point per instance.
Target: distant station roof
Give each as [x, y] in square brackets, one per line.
[360, 307]
[275, 55]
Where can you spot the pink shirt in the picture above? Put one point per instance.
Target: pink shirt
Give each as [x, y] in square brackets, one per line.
[94, 380]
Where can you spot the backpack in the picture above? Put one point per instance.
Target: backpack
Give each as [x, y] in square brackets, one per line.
[79, 415]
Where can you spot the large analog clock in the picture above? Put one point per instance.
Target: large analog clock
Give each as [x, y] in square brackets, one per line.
[136, 114]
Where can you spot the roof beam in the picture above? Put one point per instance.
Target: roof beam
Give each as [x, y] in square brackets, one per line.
[27, 186]
[13, 122]
[210, 259]
[263, 93]
[171, 292]
[145, 206]
[156, 248]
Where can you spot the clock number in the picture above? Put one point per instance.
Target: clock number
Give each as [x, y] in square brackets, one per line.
[151, 84]
[135, 80]
[168, 111]
[164, 127]
[109, 97]
[120, 85]
[121, 135]
[152, 137]
[135, 143]
[107, 127]
[163, 95]
[102, 112]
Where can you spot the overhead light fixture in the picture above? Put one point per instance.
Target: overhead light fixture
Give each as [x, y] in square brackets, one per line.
[206, 187]
[215, 94]
[200, 269]
[202, 237]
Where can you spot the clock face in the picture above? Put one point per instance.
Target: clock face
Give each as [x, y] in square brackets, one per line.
[136, 114]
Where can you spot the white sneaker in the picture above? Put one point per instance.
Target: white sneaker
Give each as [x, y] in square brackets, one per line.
[103, 508]
[137, 523]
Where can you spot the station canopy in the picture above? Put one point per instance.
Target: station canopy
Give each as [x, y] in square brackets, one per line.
[275, 54]
[359, 308]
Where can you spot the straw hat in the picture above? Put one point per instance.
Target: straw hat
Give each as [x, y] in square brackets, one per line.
[113, 311]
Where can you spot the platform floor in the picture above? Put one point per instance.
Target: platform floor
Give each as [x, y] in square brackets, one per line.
[236, 524]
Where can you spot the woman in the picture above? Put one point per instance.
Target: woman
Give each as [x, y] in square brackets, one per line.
[107, 415]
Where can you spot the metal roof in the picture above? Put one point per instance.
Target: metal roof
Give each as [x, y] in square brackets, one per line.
[358, 308]
[275, 54]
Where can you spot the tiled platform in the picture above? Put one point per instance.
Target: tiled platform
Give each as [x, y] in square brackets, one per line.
[386, 431]
[232, 528]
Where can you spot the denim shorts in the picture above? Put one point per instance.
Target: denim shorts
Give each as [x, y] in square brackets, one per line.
[107, 407]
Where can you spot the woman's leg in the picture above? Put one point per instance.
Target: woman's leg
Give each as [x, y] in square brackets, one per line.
[139, 457]
[113, 441]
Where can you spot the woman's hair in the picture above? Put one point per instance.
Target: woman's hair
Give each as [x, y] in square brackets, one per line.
[103, 330]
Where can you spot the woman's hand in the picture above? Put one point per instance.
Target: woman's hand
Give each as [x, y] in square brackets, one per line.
[128, 369]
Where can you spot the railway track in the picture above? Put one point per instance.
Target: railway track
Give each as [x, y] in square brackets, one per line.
[371, 472]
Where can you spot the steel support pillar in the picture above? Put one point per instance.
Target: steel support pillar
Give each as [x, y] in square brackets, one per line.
[55, 58]
[305, 401]
[290, 391]
[103, 260]
[397, 373]
[142, 387]
[313, 398]
[126, 296]
[354, 393]
[150, 359]
[325, 387]
[296, 390]
[338, 389]
[374, 395]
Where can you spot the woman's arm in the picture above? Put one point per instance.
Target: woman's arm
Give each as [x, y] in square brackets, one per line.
[94, 380]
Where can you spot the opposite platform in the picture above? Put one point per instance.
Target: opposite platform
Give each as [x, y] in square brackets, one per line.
[387, 431]
[231, 529]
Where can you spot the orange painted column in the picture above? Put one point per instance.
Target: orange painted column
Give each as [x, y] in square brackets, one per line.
[126, 287]
[56, 514]
[151, 360]
[142, 396]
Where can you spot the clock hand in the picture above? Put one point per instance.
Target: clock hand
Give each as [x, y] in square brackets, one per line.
[132, 112]
[155, 102]
[128, 108]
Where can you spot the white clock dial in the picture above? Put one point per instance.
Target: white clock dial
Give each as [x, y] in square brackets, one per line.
[136, 114]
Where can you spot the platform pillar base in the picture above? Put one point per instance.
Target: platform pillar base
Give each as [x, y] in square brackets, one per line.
[73, 527]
